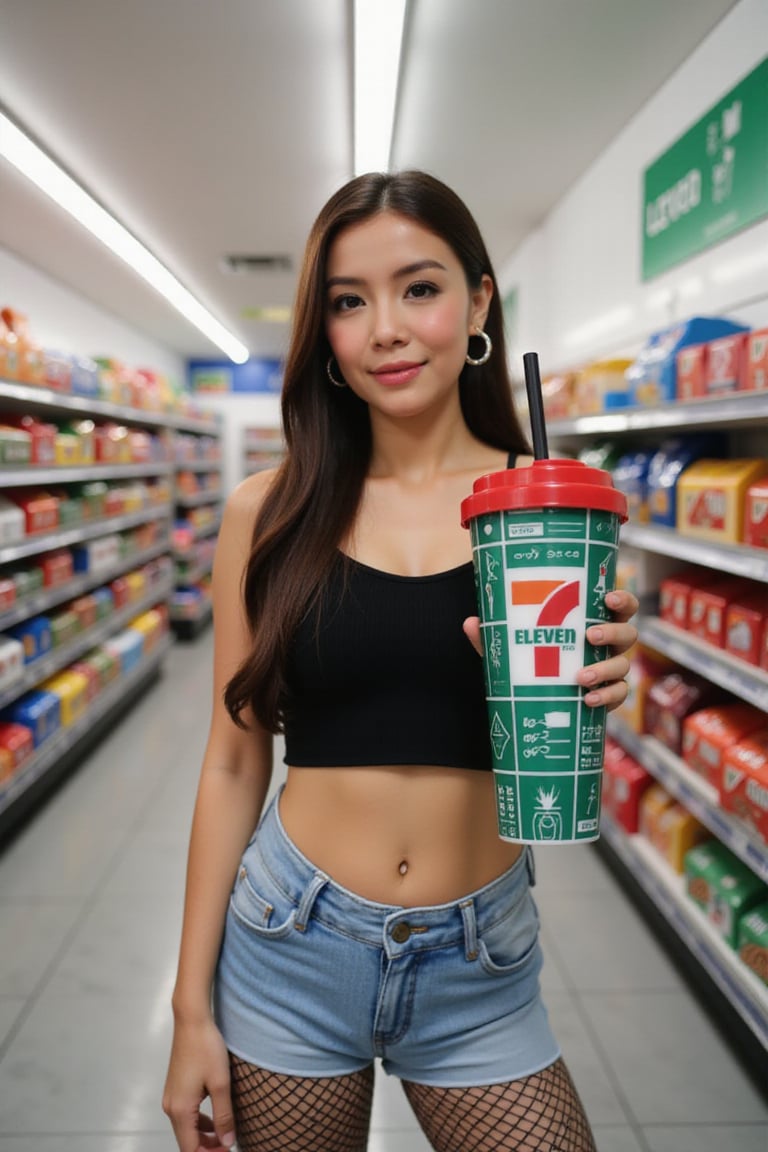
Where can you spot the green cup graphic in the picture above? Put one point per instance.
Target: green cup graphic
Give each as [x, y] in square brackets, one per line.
[544, 546]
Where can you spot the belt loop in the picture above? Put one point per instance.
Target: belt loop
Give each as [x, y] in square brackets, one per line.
[470, 928]
[530, 864]
[303, 912]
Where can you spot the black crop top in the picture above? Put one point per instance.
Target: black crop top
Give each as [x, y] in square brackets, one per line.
[389, 677]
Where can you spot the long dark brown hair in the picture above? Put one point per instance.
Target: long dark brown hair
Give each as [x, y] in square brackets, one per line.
[312, 503]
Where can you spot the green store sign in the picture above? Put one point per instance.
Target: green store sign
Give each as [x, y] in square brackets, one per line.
[712, 182]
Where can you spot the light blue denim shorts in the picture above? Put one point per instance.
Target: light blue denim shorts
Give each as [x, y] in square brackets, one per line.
[313, 980]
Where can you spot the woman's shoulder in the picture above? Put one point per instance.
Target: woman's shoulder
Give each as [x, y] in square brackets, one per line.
[245, 500]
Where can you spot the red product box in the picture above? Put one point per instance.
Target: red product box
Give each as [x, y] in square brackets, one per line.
[725, 357]
[7, 593]
[57, 567]
[114, 502]
[121, 592]
[90, 672]
[41, 511]
[755, 362]
[744, 781]
[763, 661]
[628, 782]
[42, 438]
[691, 369]
[745, 622]
[675, 594]
[670, 700]
[85, 608]
[18, 741]
[707, 610]
[710, 732]
[756, 515]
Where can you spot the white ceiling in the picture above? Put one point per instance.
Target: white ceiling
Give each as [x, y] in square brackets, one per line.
[211, 127]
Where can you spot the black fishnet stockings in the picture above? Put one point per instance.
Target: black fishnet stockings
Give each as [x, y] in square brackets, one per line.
[276, 1113]
[542, 1113]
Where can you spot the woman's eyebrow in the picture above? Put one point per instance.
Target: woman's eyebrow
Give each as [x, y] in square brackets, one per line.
[407, 270]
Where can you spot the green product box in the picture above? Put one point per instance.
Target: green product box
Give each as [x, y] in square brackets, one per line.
[70, 510]
[93, 495]
[753, 940]
[27, 581]
[724, 887]
[105, 664]
[700, 866]
[64, 627]
[15, 446]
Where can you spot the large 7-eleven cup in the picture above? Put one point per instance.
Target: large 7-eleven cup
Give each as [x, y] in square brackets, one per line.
[544, 545]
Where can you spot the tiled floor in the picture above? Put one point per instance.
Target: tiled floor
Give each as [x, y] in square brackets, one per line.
[90, 901]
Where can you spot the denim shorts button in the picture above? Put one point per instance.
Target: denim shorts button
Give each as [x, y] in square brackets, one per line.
[401, 932]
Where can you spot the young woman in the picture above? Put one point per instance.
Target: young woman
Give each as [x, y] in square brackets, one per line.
[372, 910]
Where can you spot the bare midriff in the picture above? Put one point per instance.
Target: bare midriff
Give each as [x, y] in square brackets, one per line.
[398, 835]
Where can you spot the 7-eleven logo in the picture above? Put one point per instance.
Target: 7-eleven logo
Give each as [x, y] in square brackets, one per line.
[557, 598]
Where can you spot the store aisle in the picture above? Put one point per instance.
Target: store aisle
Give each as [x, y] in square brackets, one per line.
[90, 899]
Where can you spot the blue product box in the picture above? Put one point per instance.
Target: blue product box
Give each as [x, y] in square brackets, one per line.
[40, 711]
[128, 647]
[35, 636]
[666, 466]
[631, 477]
[105, 602]
[652, 378]
[85, 376]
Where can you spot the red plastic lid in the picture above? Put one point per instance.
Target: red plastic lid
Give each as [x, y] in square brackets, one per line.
[544, 484]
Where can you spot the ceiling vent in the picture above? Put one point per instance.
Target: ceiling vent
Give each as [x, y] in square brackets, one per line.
[242, 264]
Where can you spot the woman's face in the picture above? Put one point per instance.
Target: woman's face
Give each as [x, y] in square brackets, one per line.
[399, 312]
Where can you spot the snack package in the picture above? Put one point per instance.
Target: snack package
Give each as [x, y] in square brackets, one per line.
[709, 732]
[743, 783]
[673, 698]
[711, 496]
[753, 940]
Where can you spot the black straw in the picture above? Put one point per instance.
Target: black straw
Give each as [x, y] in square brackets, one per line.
[535, 406]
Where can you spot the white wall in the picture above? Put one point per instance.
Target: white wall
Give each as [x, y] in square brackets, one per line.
[580, 293]
[61, 319]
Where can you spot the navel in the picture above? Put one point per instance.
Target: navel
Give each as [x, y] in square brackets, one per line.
[403, 867]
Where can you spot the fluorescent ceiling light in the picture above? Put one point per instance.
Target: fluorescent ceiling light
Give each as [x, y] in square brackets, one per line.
[378, 43]
[30, 160]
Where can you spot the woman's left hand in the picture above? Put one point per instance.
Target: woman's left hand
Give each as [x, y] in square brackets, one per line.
[607, 676]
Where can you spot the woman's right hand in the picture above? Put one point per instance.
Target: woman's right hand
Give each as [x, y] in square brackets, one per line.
[199, 1067]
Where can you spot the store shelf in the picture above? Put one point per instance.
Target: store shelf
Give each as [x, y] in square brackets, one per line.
[59, 658]
[32, 398]
[734, 558]
[49, 597]
[666, 889]
[695, 793]
[194, 574]
[721, 411]
[197, 466]
[31, 475]
[87, 530]
[744, 680]
[198, 498]
[51, 757]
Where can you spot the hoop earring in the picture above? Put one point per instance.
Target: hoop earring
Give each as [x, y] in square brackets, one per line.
[486, 354]
[329, 373]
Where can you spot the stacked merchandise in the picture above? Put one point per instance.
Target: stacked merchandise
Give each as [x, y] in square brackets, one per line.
[198, 506]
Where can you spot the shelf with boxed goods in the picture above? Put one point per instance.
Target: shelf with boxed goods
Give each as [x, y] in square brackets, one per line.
[85, 547]
[691, 455]
[739, 982]
[198, 499]
[262, 448]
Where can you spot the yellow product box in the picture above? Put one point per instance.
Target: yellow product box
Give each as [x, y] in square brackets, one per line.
[149, 624]
[675, 832]
[653, 803]
[135, 497]
[67, 449]
[137, 584]
[711, 496]
[72, 690]
[601, 386]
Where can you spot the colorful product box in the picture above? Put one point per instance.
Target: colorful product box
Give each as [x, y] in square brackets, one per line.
[42, 437]
[127, 647]
[11, 660]
[85, 608]
[629, 782]
[691, 368]
[753, 940]
[7, 593]
[40, 712]
[57, 567]
[675, 832]
[711, 496]
[72, 691]
[106, 663]
[644, 668]
[671, 700]
[756, 515]
[105, 602]
[15, 446]
[652, 376]
[64, 627]
[18, 742]
[97, 555]
[708, 607]
[655, 800]
[724, 366]
[40, 511]
[12, 524]
[675, 593]
[709, 732]
[35, 636]
[666, 467]
[744, 781]
[67, 449]
[700, 866]
[755, 363]
[745, 624]
[736, 891]
[27, 581]
[92, 677]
